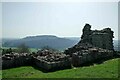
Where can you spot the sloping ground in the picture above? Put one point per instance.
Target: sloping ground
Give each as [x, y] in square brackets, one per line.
[108, 69]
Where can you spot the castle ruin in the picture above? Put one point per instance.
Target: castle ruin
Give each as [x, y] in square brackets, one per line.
[95, 45]
[98, 38]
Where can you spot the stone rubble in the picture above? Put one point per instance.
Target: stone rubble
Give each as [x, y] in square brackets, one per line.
[15, 60]
[50, 60]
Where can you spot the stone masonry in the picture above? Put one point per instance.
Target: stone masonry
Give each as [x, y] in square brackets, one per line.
[98, 38]
[51, 60]
[94, 45]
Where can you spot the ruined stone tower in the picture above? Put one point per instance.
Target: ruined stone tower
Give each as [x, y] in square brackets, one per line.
[98, 38]
[93, 38]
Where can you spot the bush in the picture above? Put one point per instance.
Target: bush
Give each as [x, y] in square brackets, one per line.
[6, 51]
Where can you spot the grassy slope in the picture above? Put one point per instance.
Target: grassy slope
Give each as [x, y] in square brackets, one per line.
[108, 69]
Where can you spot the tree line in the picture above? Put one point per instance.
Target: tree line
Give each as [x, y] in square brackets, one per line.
[22, 48]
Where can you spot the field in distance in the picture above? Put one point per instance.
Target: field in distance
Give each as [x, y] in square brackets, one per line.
[31, 49]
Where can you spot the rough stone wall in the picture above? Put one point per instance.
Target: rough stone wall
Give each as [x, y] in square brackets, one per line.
[16, 60]
[52, 66]
[51, 61]
[86, 34]
[94, 45]
[90, 55]
[98, 38]
[45, 59]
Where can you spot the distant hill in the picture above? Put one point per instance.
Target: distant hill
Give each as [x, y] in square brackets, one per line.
[48, 40]
[41, 41]
[73, 38]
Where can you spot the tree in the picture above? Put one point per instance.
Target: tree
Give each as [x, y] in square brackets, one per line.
[7, 51]
[22, 48]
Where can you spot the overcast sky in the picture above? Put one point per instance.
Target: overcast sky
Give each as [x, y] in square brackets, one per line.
[21, 19]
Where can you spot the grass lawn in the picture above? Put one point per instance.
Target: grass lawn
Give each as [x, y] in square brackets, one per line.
[108, 69]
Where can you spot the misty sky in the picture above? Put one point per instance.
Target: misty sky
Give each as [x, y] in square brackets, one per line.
[21, 19]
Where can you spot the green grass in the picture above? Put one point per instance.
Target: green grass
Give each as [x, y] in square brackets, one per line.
[0, 74]
[108, 69]
[33, 49]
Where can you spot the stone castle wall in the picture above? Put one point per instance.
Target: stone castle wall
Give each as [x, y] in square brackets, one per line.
[52, 66]
[15, 60]
[44, 59]
[94, 45]
[90, 55]
[50, 60]
[98, 38]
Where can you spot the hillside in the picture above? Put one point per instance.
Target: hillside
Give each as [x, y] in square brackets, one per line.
[41, 41]
[47, 40]
[108, 69]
